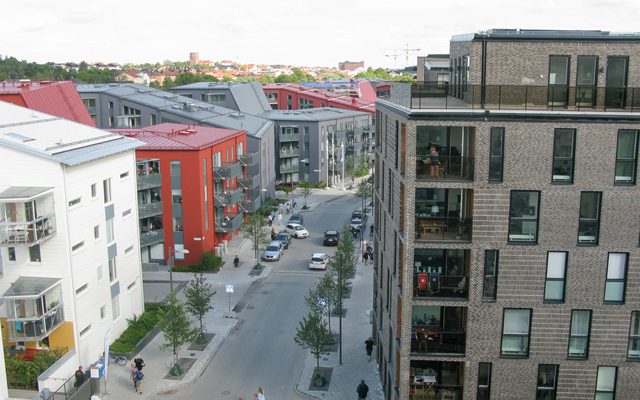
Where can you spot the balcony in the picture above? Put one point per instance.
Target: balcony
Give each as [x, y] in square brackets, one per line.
[149, 181]
[151, 237]
[34, 308]
[289, 152]
[436, 380]
[233, 196]
[228, 171]
[442, 168]
[229, 222]
[249, 159]
[519, 97]
[438, 330]
[250, 182]
[443, 214]
[289, 168]
[441, 273]
[26, 215]
[149, 209]
[251, 205]
[289, 137]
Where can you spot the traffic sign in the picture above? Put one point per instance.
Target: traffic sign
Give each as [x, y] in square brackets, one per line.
[229, 288]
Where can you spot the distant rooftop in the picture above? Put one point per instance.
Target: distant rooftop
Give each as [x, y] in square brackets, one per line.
[330, 98]
[248, 96]
[172, 136]
[312, 114]
[551, 34]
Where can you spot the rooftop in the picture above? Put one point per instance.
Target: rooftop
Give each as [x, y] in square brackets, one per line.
[172, 136]
[330, 98]
[248, 96]
[551, 34]
[312, 114]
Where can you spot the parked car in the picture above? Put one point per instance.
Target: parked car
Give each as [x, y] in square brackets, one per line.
[318, 261]
[297, 231]
[283, 237]
[356, 214]
[296, 219]
[273, 251]
[331, 238]
[355, 225]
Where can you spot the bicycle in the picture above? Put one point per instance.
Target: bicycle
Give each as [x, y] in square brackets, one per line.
[116, 359]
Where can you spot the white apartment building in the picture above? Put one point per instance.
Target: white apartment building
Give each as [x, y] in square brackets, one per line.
[69, 242]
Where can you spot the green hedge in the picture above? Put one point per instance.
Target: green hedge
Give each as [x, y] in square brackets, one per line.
[23, 374]
[138, 327]
[209, 263]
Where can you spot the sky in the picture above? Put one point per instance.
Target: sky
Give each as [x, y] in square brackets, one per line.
[291, 32]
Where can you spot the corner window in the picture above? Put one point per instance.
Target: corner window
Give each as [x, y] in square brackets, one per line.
[616, 278]
[634, 336]
[484, 381]
[626, 156]
[515, 332]
[547, 382]
[496, 154]
[554, 286]
[589, 224]
[564, 141]
[579, 335]
[490, 284]
[606, 383]
[523, 216]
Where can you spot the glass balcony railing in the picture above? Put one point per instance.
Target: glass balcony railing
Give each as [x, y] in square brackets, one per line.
[229, 222]
[288, 153]
[428, 340]
[149, 181]
[249, 159]
[289, 137]
[149, 210]
[26, 216]
[151, 237]
[444, 168]
[228, 171]
[250, 182]
[427, 391]
[287, 169]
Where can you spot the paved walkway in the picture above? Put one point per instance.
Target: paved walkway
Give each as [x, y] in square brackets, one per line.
[356, 328]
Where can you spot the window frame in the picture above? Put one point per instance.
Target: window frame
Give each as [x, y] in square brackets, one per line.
[624, 279]
[555, 158]
[528, 334]
[547, 388]
[584, 219]
[634, 159]
[487, 384]
[496, 130]
[634, 336]
[547, 279]
[493, 298]
[574, 336]
[537, 218]
[615, 381]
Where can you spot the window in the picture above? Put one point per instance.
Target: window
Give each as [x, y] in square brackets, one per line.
[82, 288]
[12, 253]
[126, 213]
[94, 191]
[484, 381]
[175, 168]
[558, 80]
[106, 187]
[128, 250]
[96, 232]
[589, 223]
[131, 285]
[113, 273]
[579, 335]
[153, 119]
[515, 332]
[112, 121]
[115, 306]
[606, 383]
[110, 232]
[99, 272]
[616, 278]
[547, 382]
[217, 160]
[110, 105]
[626, 156]
[218, 99]
[564, 141]
[634, 336]
[490, 284]
[124, 175]
[103, 312]
[34, 253]
[523, 216]
[75, 202]
[554, 285]
[586, 81]
[85, 330]
[496, 154]
[77, 246]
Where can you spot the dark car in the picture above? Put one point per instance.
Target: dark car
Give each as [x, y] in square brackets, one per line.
[331, 238]
[296, 219]
[283, 237]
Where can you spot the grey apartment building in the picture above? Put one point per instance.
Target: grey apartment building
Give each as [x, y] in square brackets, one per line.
[128, 105]
[507, 222]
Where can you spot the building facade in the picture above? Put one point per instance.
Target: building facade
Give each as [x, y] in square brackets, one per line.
[69, 244]
[137, 106]
[192, 184]
[506, 228]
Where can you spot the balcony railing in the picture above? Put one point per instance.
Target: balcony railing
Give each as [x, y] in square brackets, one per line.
[289, 137]
[151, 237]
[150, 209]
[444, 168]
[249, 159]
[228, 171]
[36, 328]
[284, 169]
[427, 391]
[435, 285]
[519, 97]
[27, 232]
[434, 340]
[233, 196]
[443, 228]
[250, 182]
[229, 222]
[284, 153]
[149, 181]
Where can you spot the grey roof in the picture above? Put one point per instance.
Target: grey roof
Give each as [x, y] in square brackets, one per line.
[198, 111]
[16, 193]
[312, 114]
[249, 96]
[551, 34]
[436, 64]
[30, 286]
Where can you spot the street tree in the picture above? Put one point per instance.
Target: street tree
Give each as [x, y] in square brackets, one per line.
[255, 230]
[342, 266]
[323, 297]
[198, 295]
[306, 191]
[177, 330]
[313, 334]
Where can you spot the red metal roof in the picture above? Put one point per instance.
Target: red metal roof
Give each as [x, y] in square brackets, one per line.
[59, 98]
[171, 136]
[327, 97]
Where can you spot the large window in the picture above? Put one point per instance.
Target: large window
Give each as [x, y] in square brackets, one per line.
[616, 278]
[523, 216]
[556, 276]
[490, 283]
[547, 382]
[586, 81]
[444, 152]
[558, 80]
[484, 381]
[626, 156]
[441, 273]
[579, 335]
[564, 141]
[589, 224]
[634, 336]
[496, 154]
[606, 383]
[516, 332]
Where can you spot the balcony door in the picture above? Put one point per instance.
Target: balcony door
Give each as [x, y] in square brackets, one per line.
[586, 81]
[616, 89]
[558, 80]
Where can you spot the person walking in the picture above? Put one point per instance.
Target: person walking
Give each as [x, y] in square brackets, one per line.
[362, 390]
[371, 230]
[139, 363]
[80, 377]
[261, 393]
[369, 346]
[365, 257]
[236, 261]
[137, 380]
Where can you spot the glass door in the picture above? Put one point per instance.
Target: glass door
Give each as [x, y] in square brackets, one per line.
[616, 89]
[558, 80]
[586, 81]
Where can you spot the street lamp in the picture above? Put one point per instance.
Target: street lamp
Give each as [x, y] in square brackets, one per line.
[172, 254]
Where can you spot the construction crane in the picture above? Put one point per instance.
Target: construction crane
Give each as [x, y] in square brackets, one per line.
[395, 58]
[406, 54]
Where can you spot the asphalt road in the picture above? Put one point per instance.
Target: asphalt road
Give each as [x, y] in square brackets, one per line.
[260, 351]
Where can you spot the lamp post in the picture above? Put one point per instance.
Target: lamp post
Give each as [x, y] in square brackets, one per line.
[172, 254]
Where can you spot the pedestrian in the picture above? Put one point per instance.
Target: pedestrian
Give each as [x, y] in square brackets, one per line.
[273, 234]
[133, 374]
[288, 208]
[236, 261]
[362, 390]
[138, 376]
[270, 219]
[261, 393]
[80, 377]
[365, 257]
[371, 230]
[369, 346]
[294, 205]
[139, 363]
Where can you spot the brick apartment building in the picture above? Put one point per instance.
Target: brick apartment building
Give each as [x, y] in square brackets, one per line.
[507, 264]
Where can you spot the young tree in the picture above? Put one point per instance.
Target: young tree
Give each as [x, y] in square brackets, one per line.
[313, 334]
[255, 231]
[342, 266]
[323, 296]
[198, 294]
[306, 191]
[177, 330]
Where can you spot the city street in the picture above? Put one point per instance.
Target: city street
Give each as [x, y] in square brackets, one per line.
[260, 350]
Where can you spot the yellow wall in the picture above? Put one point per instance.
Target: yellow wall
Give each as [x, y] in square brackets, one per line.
[60, 338]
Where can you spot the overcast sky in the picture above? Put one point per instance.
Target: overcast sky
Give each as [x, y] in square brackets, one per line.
[294, 32]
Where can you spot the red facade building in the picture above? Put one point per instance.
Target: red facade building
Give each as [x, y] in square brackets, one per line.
[189, 189]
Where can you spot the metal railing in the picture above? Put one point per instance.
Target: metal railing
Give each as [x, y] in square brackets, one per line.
[151, 237]
[228, 171]
[444, 168]
[295, 152]
[150, 209]
[443, 228]
[36, 328]
[27, 232]
[249, 159]
[229, 222]
[149, 181]
[444, 286]
[289, 137]
[428, 391]
[438, 341]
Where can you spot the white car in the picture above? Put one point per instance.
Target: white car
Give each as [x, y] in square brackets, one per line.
[273, 251]
[319, 261]
[297, 231]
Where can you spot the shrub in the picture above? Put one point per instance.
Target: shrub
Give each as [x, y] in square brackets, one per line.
[209, 263]
[138, 327]
[23, 374]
